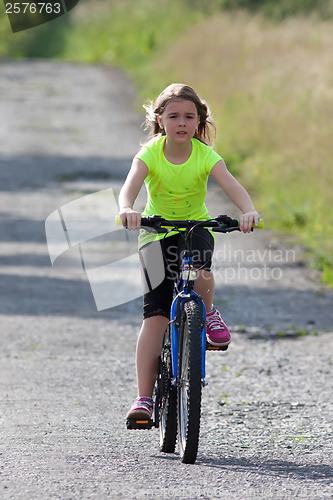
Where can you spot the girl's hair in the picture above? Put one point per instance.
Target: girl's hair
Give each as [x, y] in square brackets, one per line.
[180, 91]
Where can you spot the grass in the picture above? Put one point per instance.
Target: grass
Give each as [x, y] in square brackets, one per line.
[269, 84]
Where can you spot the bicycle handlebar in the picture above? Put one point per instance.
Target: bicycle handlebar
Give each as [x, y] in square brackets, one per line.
[220, 224]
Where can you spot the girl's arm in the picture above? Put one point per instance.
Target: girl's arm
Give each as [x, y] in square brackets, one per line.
[237, 194]
[129, 193]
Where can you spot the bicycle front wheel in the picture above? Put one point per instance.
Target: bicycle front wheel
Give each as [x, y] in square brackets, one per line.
[168, 400]
[190, 382]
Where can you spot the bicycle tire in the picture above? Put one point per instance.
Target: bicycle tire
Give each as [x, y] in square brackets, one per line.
[190, 382]
[167, 401]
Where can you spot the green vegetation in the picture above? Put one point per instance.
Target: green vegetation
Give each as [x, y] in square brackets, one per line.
[224, 401]
[267, 77]
[293, 331]
[124, 33]
[270, 87]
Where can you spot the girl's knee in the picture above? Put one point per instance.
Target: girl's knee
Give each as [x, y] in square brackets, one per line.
[156, 323]
[156, 313]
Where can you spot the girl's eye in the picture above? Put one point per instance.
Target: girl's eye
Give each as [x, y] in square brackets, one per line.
[189, 117]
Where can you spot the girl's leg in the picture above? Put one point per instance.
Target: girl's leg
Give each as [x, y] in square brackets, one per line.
[203, 246]
[216, 330]
[147, 353]
[156, 308]
[205, 286]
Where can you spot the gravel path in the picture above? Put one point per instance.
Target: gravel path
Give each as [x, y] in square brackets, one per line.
[67, 372]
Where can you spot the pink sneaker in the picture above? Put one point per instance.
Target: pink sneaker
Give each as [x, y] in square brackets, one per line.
[217, 332]
[141, 408]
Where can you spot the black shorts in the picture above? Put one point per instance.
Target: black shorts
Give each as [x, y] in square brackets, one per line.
[157, 301]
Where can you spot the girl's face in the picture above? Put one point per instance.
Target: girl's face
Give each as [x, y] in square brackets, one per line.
[179, 120]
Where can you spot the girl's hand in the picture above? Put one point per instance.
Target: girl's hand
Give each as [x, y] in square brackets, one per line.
[246, 220]
[130, 219]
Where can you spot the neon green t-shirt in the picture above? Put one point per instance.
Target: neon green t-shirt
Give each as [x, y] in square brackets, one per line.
[176, 192]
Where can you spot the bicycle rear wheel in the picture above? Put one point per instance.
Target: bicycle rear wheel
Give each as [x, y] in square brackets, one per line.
[190, 382]
[168, 400]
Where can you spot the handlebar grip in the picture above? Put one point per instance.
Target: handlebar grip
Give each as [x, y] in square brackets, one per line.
[260, 224]
[118, 220]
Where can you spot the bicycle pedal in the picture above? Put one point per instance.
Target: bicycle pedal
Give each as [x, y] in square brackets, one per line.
[210, 347]
[136, 423]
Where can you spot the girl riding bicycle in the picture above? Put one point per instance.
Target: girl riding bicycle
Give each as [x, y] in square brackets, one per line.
[175, 165]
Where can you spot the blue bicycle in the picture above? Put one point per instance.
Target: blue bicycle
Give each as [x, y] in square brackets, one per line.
[182, 362]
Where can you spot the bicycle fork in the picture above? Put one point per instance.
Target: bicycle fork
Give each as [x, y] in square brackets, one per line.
[177, 308]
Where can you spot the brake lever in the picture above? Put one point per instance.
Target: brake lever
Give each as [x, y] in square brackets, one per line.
[225, 229]
[156, 229]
